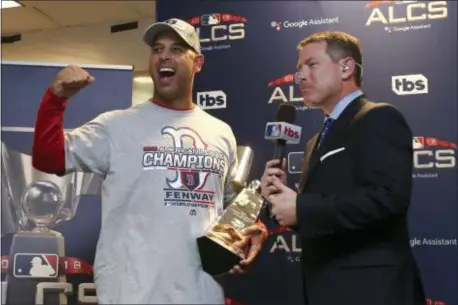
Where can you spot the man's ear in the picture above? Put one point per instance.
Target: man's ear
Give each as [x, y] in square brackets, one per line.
[199, 62]
[347, 68]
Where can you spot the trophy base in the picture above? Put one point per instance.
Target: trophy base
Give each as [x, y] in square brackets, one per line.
[216, 259]
[30, 250]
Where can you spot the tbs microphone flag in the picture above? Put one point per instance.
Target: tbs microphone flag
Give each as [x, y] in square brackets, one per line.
[283, 131]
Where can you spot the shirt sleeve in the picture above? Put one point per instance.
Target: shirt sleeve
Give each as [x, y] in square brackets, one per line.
[48, 152]
[87, 148]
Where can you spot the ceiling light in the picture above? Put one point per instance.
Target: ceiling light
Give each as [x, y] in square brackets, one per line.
[10, 4]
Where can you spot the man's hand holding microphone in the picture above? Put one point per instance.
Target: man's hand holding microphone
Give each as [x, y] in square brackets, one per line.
[281, 199]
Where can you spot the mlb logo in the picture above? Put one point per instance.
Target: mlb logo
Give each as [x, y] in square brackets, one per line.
[418, 142]
[210, 19]
[273, 130]
[35, 265]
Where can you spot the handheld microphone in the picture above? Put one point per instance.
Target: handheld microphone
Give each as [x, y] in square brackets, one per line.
[283, 131]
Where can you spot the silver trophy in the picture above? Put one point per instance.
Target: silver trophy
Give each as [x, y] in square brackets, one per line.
[32, 202]
[18, 176]
[41, 248]
[42, 202]
[218, 246]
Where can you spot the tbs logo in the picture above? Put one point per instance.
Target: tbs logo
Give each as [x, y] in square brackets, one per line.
[409, 84]
[283, 131]
[291, 133]
[211, 99]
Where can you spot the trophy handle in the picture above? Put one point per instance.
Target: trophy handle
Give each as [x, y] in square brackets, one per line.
[245, 162]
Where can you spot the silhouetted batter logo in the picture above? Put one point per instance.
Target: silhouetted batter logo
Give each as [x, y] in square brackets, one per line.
[210, 19]
[35, 265]
[274, 130]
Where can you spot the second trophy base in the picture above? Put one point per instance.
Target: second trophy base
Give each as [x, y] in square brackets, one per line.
[216, 259]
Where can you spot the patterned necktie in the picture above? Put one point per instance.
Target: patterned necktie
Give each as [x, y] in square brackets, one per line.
[325, 130]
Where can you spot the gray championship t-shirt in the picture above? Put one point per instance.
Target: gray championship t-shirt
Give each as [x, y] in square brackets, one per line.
[167, 177]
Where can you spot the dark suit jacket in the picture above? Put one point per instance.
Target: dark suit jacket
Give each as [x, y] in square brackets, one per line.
[352, 211]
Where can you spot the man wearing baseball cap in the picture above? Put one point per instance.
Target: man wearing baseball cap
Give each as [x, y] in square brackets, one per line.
[154, 157]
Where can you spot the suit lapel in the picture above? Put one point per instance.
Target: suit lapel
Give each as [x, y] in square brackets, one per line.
[337, 128]
[309, 149]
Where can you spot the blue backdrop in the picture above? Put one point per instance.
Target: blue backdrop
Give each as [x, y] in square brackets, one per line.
[410, 61]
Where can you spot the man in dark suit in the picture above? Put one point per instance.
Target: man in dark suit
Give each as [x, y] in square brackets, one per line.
[350, 209]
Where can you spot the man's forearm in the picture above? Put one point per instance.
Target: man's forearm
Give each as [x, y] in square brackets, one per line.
[48, 154]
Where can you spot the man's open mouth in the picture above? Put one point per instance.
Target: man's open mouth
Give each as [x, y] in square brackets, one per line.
[166, 73]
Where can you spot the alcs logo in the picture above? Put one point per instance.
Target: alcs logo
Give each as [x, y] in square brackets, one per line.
[286, 243]
[211, 99]
[432, 153]
[399, 12]
[218, 27]
[409, 84]
[284, 90]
